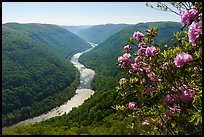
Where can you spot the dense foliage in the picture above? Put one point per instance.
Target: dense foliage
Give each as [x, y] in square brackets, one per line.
[96, 115]
[35, 77]
[164, 92]
[102, 59]
[57, 38]
[159, 92]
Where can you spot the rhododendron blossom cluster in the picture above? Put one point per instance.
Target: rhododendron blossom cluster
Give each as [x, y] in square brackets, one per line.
[165, 65]
[168, 100]
[181, 58]
[175, 109]
[187, 16]
[195, 30]
[186, 96]
[127, 48]
[150, 51]
[124, 60]
[138, 35]
[131, 105]
[145, 123]
[163, 82]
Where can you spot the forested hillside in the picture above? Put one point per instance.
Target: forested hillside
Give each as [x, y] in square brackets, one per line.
[103, 59]
[62, 41]
[96, 115]
[36, 76]
[99, 33]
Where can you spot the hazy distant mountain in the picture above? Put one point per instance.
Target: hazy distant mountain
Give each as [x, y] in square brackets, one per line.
[98, 33]
[76, 29]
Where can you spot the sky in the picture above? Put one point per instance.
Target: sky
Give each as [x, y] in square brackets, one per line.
[83, 13]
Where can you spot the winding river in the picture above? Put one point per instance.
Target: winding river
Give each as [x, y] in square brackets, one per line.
[83, 92]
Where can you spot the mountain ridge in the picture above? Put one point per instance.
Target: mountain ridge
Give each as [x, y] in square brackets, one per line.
[36, 75]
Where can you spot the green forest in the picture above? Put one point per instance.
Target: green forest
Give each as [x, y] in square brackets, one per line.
[98, 109]
[147, 79]
[36, 75]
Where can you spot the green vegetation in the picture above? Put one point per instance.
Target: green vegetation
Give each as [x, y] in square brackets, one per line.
[102, 58]
[36, 75]
[163, 95]
[96, 115]
[57, 38]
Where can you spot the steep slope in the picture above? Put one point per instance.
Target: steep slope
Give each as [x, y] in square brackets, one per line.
[36, 77]
[96, 116]
[98, 33]
[103, 58]
[59, 39]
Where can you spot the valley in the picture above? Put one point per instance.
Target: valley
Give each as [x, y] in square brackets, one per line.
[100, 59]
[36, 75]
[82, 93]
[141, 78]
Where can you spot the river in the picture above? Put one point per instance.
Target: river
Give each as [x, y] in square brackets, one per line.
[83, 92]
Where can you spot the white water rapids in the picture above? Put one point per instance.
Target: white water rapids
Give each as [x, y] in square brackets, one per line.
[83, 92]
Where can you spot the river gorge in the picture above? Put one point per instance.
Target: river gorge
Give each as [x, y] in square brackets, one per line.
[82, 93]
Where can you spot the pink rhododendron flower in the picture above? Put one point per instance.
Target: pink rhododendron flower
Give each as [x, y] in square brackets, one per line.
[127, 48]
[141, 71]
[149, 90]
[138, 35]
[187, 16]
[140, 51]
[176, 96]
[156, 79]
[120, 59]
[166, 115]
[126, 56]
[145, 123]
[131, 105]
[124, 60]
[175, 109]
[186, 96]
[133, 68]
[150, 51]
[142, 45]
[138, 59]
[151, 75]
[147, 70]
[183, 88]
[195, 30]
[168, 100]
[143, 81]
[165, 65]
[181, 58]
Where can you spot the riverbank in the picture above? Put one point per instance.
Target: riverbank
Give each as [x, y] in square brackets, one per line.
[83, 92]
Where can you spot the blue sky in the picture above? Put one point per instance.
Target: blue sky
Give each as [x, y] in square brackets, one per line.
[82, 13]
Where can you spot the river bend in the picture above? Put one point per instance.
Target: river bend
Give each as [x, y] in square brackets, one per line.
[83, 92]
